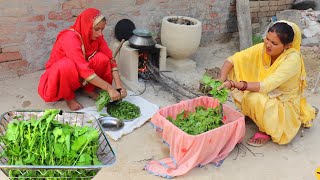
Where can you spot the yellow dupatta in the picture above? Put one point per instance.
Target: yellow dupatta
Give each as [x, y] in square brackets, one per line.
[306, 111]
[244, 59]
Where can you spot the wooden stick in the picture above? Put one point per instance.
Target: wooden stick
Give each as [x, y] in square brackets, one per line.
[118, 48]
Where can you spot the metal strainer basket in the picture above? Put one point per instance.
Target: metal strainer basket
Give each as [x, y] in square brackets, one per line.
[104, 153]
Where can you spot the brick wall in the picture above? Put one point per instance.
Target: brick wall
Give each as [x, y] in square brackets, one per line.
[263, 10]
[28, 28]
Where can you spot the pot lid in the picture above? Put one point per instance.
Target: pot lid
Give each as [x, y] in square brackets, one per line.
[123, 29]
[142, 32]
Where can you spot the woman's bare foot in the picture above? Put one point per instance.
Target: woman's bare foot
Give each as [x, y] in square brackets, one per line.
[94, 95]
[74, 105]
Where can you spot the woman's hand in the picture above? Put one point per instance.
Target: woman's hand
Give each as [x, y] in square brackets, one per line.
[221, 79]
[227, 85]
[114, 94]
[123, 92]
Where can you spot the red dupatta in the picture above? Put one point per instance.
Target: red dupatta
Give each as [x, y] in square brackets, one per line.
[72, 50]
[83, 26]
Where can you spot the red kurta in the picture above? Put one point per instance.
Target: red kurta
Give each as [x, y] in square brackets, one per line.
[68, 67]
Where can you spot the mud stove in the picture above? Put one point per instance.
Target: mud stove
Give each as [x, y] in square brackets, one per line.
[132, 64]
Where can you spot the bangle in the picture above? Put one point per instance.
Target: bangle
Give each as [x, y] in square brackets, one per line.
[245, 85]
[232, 84]
[114, 69]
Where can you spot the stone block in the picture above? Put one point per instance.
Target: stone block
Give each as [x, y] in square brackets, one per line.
[12, 48]
[8, 20]
[264, 3]
[289, 2]
[311, 31]
[291, 15]
[282, 2]
[13, 65]
[14, 12]
[264, 9]
[7, 29]
[254, 4]
[255, 25]
[282, 7]
[36, 18]
[255, 20]
[273, 8]
[310, 42]
[254, 15]
[74, 4]
[271, 13]
[273, 3]
[18, 38]
[255, 9]
[9, 56]
[262, 14]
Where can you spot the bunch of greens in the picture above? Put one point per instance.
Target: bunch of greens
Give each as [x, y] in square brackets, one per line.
[256, 39]
[200, 121]
[48, 142]
[212, 85]
[123, 110]
[102, 100]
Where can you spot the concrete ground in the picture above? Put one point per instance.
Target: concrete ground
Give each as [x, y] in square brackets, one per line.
[295, 161]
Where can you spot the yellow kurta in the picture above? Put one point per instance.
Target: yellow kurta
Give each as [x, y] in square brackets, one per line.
[279, 108]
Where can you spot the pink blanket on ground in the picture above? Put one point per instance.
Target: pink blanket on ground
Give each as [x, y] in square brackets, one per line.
[189, 151]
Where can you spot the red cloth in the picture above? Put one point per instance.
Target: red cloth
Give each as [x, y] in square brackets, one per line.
[67, 65]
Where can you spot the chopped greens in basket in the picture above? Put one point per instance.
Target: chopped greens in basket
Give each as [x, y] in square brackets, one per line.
[200, 121]
[102, 100]
[48, 142]
[212, 85]
[123, 110]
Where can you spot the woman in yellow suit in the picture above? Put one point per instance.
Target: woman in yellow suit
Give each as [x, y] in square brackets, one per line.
[268, 82]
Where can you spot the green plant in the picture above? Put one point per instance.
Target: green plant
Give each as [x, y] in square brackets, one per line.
[48, 142]
[123, 110]
[210, 85]
[102, 100]
[256, 39]
[202, 120]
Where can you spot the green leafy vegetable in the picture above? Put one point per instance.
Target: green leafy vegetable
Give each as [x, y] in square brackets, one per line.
[211, 86]
[102, 100]
[123, 110]
[200, 121]
[49, 142]
[256, 39]
[103, 114]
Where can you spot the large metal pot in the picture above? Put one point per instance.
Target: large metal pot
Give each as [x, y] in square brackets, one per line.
[142, 39]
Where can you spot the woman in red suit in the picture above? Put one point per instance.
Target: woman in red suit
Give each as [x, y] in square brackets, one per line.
[81, 58]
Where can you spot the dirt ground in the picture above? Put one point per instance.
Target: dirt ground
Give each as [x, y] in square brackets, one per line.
[295, 161]
[311, 57]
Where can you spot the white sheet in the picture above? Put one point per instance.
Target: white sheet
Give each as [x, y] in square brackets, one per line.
[147, 109]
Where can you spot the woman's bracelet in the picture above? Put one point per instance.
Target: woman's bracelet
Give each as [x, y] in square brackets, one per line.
[114, 69]
[233, 86]
[231, 83]
[245, 85]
